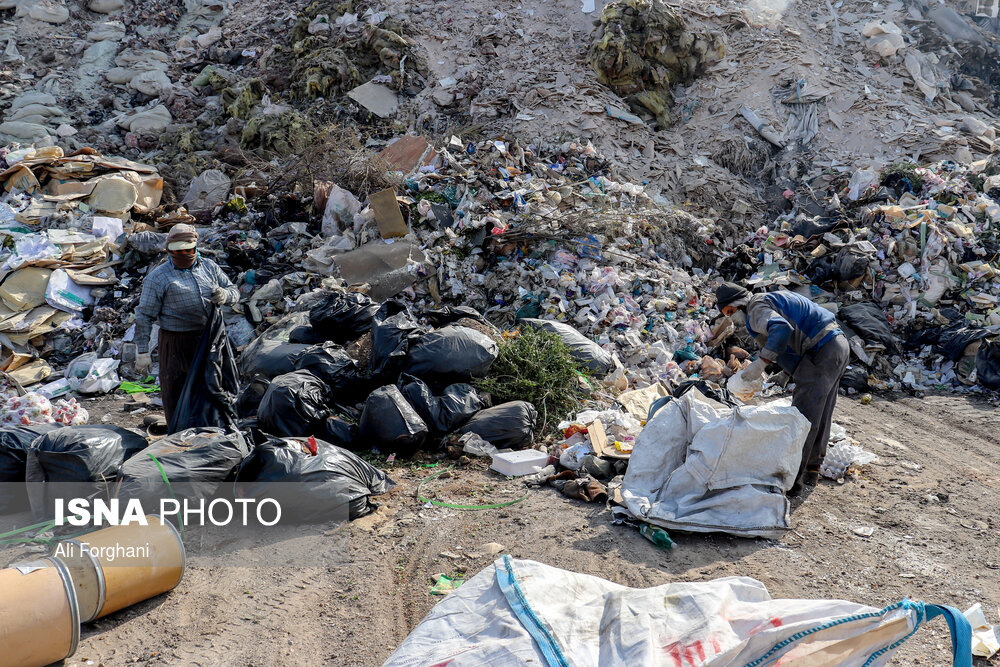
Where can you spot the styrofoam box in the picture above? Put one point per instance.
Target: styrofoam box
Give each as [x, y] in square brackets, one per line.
[523, 462]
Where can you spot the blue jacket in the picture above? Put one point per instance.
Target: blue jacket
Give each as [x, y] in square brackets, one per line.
[788, 325]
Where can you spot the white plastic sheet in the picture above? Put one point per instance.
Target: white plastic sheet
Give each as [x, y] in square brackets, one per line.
[518, 612]
[64, 294]
[704, 467]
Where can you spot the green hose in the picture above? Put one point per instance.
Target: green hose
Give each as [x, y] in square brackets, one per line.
[460, 507]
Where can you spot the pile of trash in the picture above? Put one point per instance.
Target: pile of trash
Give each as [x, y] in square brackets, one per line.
[906, 258]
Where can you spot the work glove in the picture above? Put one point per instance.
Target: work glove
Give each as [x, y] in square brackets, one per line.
[143, 363]
[754, 371]
[218, 296]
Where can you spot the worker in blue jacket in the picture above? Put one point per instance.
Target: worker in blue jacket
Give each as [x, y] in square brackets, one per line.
[805, 341]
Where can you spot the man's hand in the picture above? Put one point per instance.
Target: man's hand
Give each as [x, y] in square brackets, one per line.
[219, 296]
[754, 371]
[143, 363]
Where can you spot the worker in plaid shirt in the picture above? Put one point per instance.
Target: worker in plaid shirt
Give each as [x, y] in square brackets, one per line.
[178, 294]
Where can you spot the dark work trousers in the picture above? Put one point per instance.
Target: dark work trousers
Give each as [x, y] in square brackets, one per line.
[817, 379]
[176, 354]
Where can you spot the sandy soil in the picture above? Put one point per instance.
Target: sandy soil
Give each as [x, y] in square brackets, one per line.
[932, 499]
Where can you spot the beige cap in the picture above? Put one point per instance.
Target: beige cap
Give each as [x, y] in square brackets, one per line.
[182, 237]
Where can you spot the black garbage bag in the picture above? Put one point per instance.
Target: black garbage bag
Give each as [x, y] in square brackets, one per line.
[295, 404]
[505, 425]
[305, 334]
[955, 337]
[334, 484]
[856, 378]
[851, 263]
[250, 397]
[194, 462]
[14, 444]
[390, 423]
[740, 264]
[587, 352]
[331, 364]
[868, 320]
[822, 269]
[988, 365]
[450, 314]
[444, 413]
[394, 331]
[82, 461]
[213, 382]
[342, 318]
[270, 358]
[808, 227]
[451, 354]
[720, 394]
[339, 431]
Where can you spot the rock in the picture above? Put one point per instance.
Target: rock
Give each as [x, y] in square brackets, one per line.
[449, 555]
[491, 548]
[65, 130]
[23, 132]
[154, 83]
[209, 38]
[105, 6]
[443, 98]
[151, 121]
[964, 100]
[48, 11]
[110, 30]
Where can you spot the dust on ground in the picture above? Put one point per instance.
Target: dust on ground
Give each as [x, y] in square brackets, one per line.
[932, 498]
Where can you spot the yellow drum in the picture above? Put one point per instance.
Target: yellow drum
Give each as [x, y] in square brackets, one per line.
[39, 620]
[130, 563]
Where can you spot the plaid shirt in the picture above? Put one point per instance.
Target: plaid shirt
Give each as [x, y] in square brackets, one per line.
[179, 298]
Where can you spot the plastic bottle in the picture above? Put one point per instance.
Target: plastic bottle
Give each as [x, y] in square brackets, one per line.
[656, 535]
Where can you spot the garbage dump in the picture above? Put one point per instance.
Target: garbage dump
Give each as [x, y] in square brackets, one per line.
[515, 274]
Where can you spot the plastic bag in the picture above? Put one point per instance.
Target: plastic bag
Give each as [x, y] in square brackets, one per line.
[450, 314]
[305, 334]
[270, 358]
[83, 459]
[861, 181]
[855, 378]
[506, 425]
[342, 318]
[331, 364]
[444, 413]
[208, 397]
[390, 423]
[988, 365]
[24, 410]
[194, 461]
[450, 354]
[14, 444]
[339, 432]
[868, 320]
[250, 396]
[572, 457]
[584, 350]
[338, 214]
[295, 404]
[394, 331]
[64, 294]
[88, 374]
[842, 456]
[333, 484]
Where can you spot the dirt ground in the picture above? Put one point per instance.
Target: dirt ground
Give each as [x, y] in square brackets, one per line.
[932, 498]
